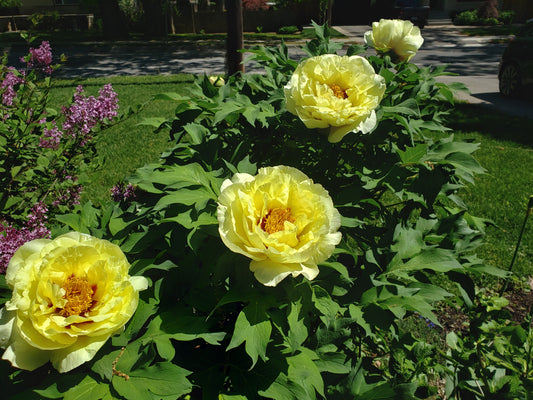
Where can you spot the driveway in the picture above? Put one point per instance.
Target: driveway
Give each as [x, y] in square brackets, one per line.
[474, 60]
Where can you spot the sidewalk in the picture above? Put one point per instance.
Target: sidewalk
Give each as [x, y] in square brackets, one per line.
[480, 76]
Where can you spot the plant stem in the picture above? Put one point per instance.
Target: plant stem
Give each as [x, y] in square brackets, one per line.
[528, 213]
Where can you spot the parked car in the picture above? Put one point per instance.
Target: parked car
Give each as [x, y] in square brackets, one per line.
[516, 66]
[416, 11]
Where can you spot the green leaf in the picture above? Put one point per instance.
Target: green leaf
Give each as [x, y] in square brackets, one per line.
[139, 267]
[297, 329]
[169, 96]
[197, 132]
[357, 314]
[413, 155]
[283, 388]
[186, 220]
[142, 314]
[325, 304]
[361, 390]
[407, 107]
[254, 328]
[11, 201]
[156, 122]
[436, 259]
[199, 196]
[355, 49]
[302, 369]
[86, 218]
[88, 389]
[178, 325]
[161, 379]
[408, 242]
[332, 360]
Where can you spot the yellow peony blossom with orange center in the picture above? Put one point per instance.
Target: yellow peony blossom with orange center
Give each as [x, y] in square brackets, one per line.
[69, 296]
[281, 220]
[335, 93]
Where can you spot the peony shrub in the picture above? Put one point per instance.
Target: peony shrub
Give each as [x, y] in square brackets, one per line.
[281, 264]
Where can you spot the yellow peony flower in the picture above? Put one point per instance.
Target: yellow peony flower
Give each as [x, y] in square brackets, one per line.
[281, 220]
[69, 296]
[339, 93]
[216, 81]
[400, 37]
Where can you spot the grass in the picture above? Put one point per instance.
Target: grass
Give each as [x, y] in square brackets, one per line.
[128, 145]
[496, 30]
[500, 195]
[95, 36]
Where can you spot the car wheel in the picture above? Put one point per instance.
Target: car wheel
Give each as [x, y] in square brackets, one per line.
[510, 81]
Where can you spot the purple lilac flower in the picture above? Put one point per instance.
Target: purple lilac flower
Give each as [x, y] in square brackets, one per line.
[8, 85]
[51, 137]
[11, 238]
[86, 112]
[41, 57]
[69, 197]
[119, 192]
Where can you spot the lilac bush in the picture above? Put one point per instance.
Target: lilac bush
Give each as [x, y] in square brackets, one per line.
[40, 58]
[43, 151]
[11, 237]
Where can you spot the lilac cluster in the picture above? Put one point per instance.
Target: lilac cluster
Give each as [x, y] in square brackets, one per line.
[51, 137]
[11, 238]
[119, 192]
[70, 196]
[86, 112]
[8, 86]
[41, 58]
[82, 116]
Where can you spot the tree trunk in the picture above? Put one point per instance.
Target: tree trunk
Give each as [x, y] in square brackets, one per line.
[235, 37]
[489, 9]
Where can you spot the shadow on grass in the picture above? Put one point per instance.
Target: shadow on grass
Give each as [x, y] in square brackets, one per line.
[486, 120]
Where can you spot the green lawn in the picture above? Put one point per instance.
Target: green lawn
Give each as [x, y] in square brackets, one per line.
[500, 195]
[503, 192]
[128, 145]
[195, 38]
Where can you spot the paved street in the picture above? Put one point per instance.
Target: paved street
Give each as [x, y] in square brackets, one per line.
[474, 59]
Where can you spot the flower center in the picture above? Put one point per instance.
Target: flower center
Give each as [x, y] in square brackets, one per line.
[79, 294]
[275, 219]
[338, 91]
